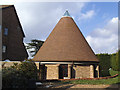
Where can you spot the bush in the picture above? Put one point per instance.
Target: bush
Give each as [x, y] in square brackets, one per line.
[104, 64]
[22, 75]
[112, 72]
[115, 61]
[108, 61]
[118, 61]
[104, 73]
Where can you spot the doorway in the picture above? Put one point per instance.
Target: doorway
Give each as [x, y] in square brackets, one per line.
[63, 71]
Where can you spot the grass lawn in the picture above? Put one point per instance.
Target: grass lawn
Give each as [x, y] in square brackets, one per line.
[95, 82]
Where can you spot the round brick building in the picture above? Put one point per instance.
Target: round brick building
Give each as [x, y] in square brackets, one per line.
[66, 53]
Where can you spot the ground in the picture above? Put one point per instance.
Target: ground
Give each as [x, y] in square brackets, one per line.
[112, 83]
[68, 86]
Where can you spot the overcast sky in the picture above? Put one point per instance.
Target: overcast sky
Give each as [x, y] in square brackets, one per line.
[98, 21]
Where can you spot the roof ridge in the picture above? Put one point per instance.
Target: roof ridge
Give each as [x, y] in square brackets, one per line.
[5, 6]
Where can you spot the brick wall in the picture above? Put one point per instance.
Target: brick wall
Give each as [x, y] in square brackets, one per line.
[15, 49]
[81, 71]
[52, 71]
[8, 64]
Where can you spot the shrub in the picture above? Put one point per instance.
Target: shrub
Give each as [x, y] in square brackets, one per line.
[118, 61]
[115, 61]
[104, 64]
[112, 72]
[29, 69]
[22, 75]
[108, 61]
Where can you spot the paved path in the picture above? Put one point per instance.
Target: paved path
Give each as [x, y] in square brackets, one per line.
[77, 86]
[84, 86]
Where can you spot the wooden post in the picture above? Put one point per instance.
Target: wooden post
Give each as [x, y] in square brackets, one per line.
[91, 71]
[97, 68]
[69, 71]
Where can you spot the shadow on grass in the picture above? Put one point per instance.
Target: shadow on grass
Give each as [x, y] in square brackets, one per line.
[55, 84]
[63, 86]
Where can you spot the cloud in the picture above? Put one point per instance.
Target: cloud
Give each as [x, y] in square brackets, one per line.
[39, 19]
[16, 1]
[105, 40]
[89, 14]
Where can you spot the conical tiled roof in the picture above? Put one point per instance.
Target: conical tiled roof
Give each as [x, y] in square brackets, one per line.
[65, 43]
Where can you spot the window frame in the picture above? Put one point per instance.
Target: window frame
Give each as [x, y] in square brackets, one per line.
[0, 28]
[4, 48]
[6, 31]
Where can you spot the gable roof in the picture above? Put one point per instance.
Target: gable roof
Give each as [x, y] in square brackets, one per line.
[4, 7]
[65, 43]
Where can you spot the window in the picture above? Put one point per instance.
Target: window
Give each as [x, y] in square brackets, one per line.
[0, 28]
[4, 49]
[6, 31]
[18, 28]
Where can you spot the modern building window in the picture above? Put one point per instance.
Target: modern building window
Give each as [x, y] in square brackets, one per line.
[4, 49]
[6, 31]
[18, 28]
[0, 28]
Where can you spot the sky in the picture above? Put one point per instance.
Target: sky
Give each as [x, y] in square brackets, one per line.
[98, 21]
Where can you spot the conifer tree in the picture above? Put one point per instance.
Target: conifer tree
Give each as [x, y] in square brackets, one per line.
[34, 46]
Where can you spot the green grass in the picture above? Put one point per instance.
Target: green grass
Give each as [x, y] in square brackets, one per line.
[112, 72]
[94, 82]
[97, 82]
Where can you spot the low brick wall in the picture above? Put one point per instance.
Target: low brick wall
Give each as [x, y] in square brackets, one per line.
[108, 77]
[49, 80]
[8, 64]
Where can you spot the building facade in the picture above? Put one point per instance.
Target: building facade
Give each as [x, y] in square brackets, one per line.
[12, 35]
[0, 34]
[66, 54]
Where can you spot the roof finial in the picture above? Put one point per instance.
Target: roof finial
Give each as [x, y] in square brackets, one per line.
[66, 14]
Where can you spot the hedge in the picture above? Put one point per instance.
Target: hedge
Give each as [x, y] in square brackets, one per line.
[104, 64]
[19, 76]
[107, 62]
